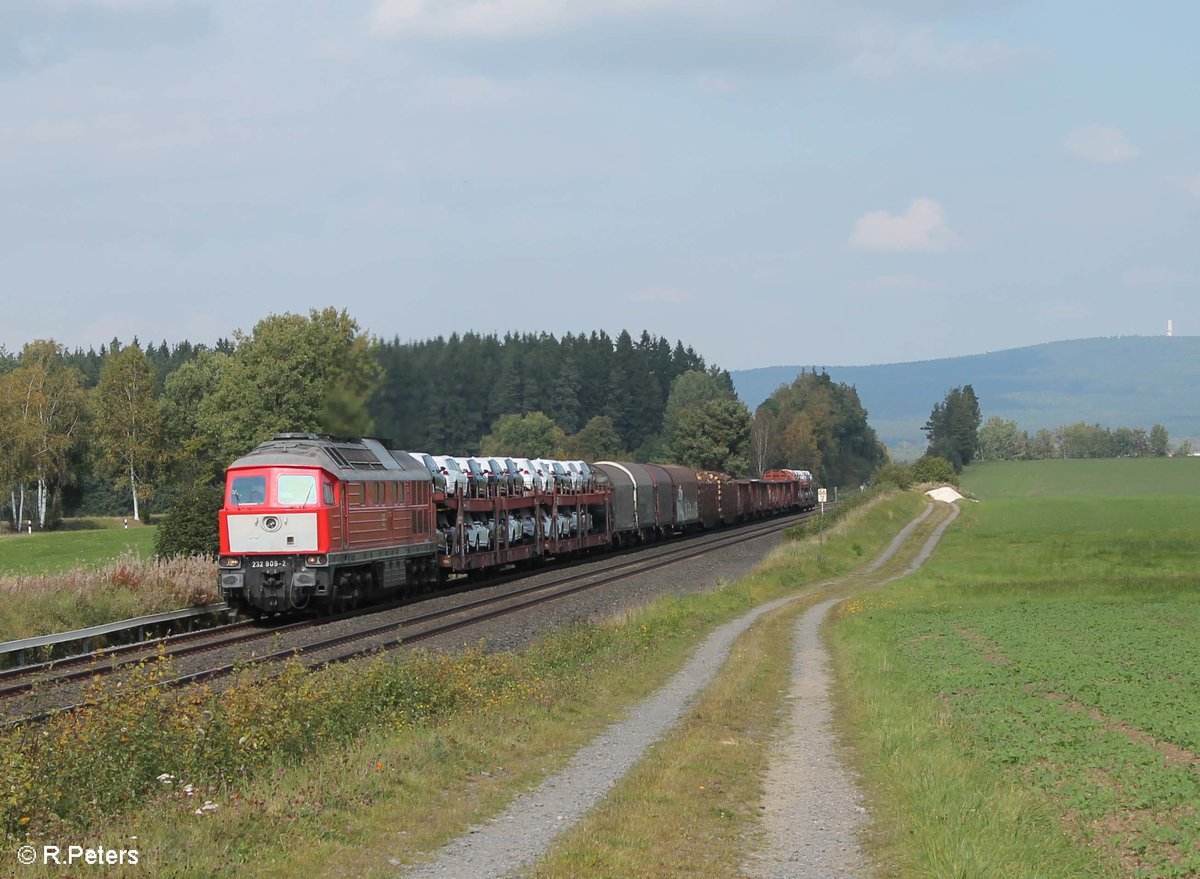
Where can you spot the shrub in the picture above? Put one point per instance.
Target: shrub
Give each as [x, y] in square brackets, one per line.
[893, 474]
[934, 469]
[190, 526]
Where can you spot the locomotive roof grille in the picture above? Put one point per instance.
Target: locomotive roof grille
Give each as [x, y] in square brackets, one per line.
[355, 458]
[337, 456]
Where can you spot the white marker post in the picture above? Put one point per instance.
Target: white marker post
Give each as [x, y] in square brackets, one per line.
[822, 497]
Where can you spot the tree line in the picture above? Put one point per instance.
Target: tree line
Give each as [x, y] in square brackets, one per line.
[446, 393]
[1001, 439]
[124, 429]
[958, 435]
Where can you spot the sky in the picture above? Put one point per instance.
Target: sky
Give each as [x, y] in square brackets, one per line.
[798, 182]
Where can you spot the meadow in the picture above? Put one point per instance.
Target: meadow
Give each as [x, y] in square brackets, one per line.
[83, 542]
[1029, 703]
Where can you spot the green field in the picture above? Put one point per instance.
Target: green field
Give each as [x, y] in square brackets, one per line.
[1029, 704]
[56, 551]
[1113, 477]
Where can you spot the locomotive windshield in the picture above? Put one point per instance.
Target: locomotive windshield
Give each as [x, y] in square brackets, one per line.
[248, 490]
[296, 490]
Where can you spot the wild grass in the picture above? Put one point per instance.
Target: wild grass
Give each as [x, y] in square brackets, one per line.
[367, 765]
[1025, 706]
[128, 586]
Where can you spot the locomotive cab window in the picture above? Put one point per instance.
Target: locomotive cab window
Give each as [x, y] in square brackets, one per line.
[327, 493]
[297, 490]
[245, 490]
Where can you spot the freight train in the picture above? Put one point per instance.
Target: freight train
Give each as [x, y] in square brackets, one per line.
[316, 523]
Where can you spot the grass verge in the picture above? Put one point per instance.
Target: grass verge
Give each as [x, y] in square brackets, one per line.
[1025, 705]
[362, 767]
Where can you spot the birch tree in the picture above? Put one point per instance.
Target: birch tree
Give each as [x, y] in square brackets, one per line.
[128, 428]
[760, 439]
[16, 444]
[45, 402]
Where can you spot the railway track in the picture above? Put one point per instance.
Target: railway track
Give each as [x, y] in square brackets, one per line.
[45, 684]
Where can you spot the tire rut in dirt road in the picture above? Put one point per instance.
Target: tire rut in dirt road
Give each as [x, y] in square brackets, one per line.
[813, 811]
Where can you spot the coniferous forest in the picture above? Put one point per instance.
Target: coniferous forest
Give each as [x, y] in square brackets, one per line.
[126, 428]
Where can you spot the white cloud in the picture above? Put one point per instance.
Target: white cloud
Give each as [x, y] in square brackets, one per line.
[39, 33]
[487, 18]
[713, 38]
[921, 228]
[117, 5]
[506, 18]
[517, 18]
[718, 84]
[1100, 143]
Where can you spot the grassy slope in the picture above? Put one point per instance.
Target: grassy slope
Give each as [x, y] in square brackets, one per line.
[95, 573]
[1025, 706]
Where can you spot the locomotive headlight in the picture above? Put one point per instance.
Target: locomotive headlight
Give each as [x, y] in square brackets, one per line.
[230, 561]
[316, 561]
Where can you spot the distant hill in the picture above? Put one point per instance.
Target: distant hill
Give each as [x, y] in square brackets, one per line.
[1127, 381]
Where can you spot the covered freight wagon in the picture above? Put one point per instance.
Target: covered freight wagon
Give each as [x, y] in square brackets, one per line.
[687, 495]
[632, 495]
[664, 496]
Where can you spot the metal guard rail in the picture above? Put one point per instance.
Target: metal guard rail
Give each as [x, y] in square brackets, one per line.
[156, 619]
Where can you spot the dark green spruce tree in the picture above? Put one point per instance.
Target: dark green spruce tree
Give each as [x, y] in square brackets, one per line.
[953, 427]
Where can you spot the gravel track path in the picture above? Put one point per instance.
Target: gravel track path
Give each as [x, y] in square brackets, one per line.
[519, 836]
[515, 839]
[813, 811]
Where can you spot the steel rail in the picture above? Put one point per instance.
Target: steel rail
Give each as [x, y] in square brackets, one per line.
[601, 578]
[621, 571]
